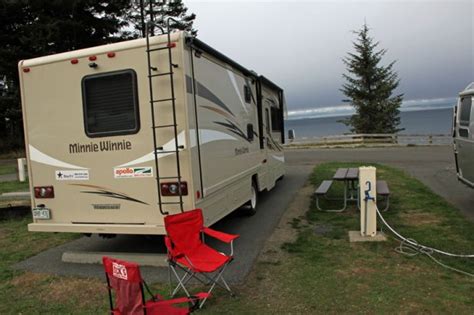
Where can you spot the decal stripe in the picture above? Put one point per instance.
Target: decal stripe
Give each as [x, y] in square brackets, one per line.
[40, 157]
[205, 135]
[106, 193]
[217, 110]
[204, 92]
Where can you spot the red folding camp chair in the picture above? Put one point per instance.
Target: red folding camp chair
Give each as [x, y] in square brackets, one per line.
[126, 281]
[188, 252]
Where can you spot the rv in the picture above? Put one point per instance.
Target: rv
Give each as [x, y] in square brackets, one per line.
[464, 136]
[121, 135]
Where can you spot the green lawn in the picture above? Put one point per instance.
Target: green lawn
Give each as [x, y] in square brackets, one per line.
[324, 273]
[320, 272]
[13, 186]
[7, 169]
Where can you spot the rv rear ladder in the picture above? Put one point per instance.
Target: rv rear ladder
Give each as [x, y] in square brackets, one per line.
[157, 149]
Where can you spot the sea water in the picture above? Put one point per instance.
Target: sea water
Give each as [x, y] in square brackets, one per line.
[433, 121]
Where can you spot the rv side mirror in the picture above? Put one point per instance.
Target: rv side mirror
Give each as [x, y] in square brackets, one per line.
[250, 132]
[291, 134]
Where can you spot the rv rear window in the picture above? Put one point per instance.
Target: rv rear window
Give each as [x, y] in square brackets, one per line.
[110, 103]
[465, 111]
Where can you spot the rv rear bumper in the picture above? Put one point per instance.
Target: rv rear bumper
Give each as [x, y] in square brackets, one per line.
[98, 228]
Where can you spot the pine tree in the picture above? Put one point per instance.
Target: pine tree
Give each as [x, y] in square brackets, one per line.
[162, 10]
[41, 27]
[370, 89]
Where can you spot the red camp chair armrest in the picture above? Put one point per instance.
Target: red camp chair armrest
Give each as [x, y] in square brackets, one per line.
[224, 237]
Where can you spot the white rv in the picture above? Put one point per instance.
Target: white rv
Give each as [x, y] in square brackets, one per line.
[464, 136]
[120, 135]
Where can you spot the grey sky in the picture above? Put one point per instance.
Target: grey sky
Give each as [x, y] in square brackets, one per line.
[299, 44]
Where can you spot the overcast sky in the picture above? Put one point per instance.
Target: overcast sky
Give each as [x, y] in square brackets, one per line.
[299, 44]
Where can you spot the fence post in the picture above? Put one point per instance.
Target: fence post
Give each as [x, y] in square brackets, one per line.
[21, 169]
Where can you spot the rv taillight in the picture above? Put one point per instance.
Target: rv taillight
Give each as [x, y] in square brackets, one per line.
[44, 192]
[171, 189]
[26, 69]
[92, 58]
[74, 61]
[111, 54]
[172, 45]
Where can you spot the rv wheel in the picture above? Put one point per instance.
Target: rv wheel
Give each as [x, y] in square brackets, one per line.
[251, 206]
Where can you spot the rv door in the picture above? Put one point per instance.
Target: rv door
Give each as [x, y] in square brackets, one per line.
[465, 140]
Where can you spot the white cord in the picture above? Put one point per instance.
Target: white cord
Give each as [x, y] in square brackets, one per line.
[415, 243]
[409, 250]
[411, 247]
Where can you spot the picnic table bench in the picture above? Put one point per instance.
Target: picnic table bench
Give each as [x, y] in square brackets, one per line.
[350, 177]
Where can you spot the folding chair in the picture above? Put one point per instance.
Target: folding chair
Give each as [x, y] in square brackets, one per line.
[188, 252]
[125, 279]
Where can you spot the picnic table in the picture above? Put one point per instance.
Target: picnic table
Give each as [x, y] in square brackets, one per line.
[350, 179]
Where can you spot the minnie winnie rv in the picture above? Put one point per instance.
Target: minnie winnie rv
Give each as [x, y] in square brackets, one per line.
[464, 136]
[120, 135]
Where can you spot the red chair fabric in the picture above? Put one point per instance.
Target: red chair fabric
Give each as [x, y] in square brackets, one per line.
[125, 279]
[185, 244]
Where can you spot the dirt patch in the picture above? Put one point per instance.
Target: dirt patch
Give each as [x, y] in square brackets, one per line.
[419, 218]
[92, 291]
[51, 289]
[28, 281]
[285, 231]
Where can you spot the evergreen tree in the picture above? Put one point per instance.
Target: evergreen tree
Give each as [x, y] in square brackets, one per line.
[370, 88]
[41, 27]
[162, 10]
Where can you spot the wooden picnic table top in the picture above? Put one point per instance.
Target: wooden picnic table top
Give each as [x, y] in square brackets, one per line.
[346, 174]
[352, 173]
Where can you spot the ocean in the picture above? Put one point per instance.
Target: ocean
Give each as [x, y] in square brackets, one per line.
[433, 121]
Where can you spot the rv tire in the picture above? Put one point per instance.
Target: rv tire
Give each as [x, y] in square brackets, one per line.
[251, 205]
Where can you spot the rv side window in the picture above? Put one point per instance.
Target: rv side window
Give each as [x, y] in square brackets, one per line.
[276, 119]
[110, 103]
[267, 118]
[247, 93]
[465, 111]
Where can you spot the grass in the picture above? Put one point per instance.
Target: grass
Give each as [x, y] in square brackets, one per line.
[13, 186]
[323, 273]
[7, 169]
[319, 272]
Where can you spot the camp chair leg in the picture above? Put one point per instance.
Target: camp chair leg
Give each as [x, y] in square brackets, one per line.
[215, 282]
[334, 210]
[226, 285]
[180, 282]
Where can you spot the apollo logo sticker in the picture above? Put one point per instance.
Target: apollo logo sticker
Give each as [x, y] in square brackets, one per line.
[119, 271]
[72, 175]
[133, 172]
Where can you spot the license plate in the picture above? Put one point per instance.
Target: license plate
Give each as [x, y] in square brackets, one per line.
[41, 213]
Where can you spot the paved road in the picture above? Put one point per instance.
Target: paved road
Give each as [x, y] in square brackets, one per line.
[253, 230]
[434, 166]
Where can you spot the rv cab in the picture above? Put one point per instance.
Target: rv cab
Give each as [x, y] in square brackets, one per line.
[464, 136]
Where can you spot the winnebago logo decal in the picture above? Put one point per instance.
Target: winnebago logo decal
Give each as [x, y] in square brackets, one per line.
[133, 172]
[72, 175]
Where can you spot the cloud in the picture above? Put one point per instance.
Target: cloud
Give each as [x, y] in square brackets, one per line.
[345, 110]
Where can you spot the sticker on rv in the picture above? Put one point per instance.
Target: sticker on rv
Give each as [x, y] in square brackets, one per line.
[72, 175]
[133, 172]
